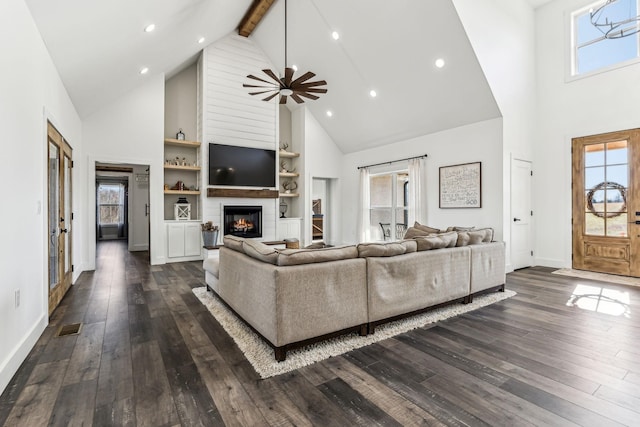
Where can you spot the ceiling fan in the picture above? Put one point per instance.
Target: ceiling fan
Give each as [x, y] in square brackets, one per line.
[286, 86]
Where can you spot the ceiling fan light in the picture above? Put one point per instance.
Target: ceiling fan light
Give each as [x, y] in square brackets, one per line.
[286, 91]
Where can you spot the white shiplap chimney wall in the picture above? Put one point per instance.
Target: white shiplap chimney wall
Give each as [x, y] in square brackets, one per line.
[231, 116]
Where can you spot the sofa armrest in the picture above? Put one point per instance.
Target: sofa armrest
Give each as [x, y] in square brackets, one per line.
[487, 266]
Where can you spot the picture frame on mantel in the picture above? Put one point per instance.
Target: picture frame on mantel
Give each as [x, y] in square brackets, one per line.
[461, 186]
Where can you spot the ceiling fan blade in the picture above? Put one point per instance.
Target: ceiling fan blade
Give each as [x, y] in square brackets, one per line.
[311, 84]
[259, 79]
[270, 97]
[264, 91]
[306, 95]
[312, 89]
[288, 75]
[303, 78]
[296, 98]
[283, 99]
[272, 75]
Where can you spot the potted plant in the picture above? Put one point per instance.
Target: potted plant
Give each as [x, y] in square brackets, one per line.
[209, 234]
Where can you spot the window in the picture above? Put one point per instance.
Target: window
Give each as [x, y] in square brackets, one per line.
[110, 203]
[591, 49]
[389, 205]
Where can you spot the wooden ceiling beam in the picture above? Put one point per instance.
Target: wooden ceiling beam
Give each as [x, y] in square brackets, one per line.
[253, 16]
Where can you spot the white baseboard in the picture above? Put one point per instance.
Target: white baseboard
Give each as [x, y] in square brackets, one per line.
[10, 366]
[551, 262]
[508, 268]
[139, 247]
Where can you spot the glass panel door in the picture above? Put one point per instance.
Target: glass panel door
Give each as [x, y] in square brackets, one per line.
[53, 213]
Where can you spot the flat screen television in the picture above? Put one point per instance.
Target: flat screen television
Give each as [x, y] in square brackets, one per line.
[241, 166]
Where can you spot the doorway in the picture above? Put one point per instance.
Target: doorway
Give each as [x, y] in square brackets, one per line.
[322, 210]
[60, 217]
[521, 212]
[606, 207]
[122, 204]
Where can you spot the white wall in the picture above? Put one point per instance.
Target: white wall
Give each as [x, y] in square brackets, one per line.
[596, 104]
[322, 159]
[502, 35]
[478, 142]
[180, 104]
[231, 116]
[30, 93]
[129, 131]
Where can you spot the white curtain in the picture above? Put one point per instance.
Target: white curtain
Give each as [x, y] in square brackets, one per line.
[417, 192]
[364, 222]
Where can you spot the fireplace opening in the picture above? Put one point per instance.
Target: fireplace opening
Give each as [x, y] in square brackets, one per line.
[243, 221]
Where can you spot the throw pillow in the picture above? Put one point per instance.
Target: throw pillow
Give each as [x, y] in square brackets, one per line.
[317, 245]
[414, 232]
[449, 238]
[425, 228]
[457, 228]
[233, 242]
[260, 251]
[488, 237]
[463, 238]
[427, 243]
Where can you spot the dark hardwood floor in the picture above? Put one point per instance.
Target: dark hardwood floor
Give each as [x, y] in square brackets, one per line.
[150, 354]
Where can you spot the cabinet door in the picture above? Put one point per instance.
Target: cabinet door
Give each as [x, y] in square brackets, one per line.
[192, 245]
[289, 229]
[175, 240]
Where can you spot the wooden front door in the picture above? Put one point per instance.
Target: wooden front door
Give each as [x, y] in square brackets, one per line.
[59, 216]
[606, 203]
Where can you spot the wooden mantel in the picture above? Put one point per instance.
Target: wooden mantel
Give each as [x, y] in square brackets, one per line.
[236, 192]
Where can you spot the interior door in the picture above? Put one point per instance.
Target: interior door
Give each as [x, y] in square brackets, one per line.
[606, 208]
[521, 242]
[59, 168]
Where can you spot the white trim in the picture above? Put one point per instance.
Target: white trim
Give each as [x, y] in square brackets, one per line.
[571, 49]
[21, 351]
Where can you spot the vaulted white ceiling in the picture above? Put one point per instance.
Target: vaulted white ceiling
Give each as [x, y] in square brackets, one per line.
[389, 46]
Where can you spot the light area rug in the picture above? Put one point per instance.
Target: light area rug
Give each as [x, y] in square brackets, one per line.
[610, 278]
[261, 355]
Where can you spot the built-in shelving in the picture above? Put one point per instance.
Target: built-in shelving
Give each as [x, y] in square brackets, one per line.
[288, 154]
[182, 166]
[289, 174]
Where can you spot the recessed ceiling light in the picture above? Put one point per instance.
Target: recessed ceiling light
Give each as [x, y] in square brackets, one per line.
[373, 93]
[295, 67]
[439, 62]
[335, 35]
[201, 40]
[329, 113]
[144, 70]
[149, 28]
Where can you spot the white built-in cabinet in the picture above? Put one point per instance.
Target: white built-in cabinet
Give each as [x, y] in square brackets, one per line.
[183, 241]
[289, 228]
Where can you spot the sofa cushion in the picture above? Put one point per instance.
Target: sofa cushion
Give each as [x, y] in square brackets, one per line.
[475, 237]
[458, 228]
[310, 256]
[260, 251]
[233, 242]
[386, 249]
[436, 241]
[425, 228]
[414, 232]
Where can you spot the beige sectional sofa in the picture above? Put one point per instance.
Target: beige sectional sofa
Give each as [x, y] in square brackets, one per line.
[293, 297]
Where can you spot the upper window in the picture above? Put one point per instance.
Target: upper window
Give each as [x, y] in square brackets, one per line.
[604, 34]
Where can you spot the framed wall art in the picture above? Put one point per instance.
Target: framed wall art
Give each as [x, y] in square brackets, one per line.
[461, 186]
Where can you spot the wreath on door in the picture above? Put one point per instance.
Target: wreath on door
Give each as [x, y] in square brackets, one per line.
[607, 185]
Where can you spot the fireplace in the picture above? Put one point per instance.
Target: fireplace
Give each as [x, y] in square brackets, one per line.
[243, 221]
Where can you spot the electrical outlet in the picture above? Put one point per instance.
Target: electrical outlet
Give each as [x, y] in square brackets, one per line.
[17, 294]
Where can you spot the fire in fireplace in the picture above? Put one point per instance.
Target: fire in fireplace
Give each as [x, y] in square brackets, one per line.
[243, 221]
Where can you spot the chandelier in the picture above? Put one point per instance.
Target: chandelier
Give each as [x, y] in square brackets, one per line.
[613, 28]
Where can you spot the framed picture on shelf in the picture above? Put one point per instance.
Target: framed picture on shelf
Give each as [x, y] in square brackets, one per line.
[461, 186]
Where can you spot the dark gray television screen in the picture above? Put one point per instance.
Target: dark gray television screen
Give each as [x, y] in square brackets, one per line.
[241, 166]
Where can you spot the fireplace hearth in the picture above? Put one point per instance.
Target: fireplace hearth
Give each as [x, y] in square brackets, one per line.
[243, 221]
